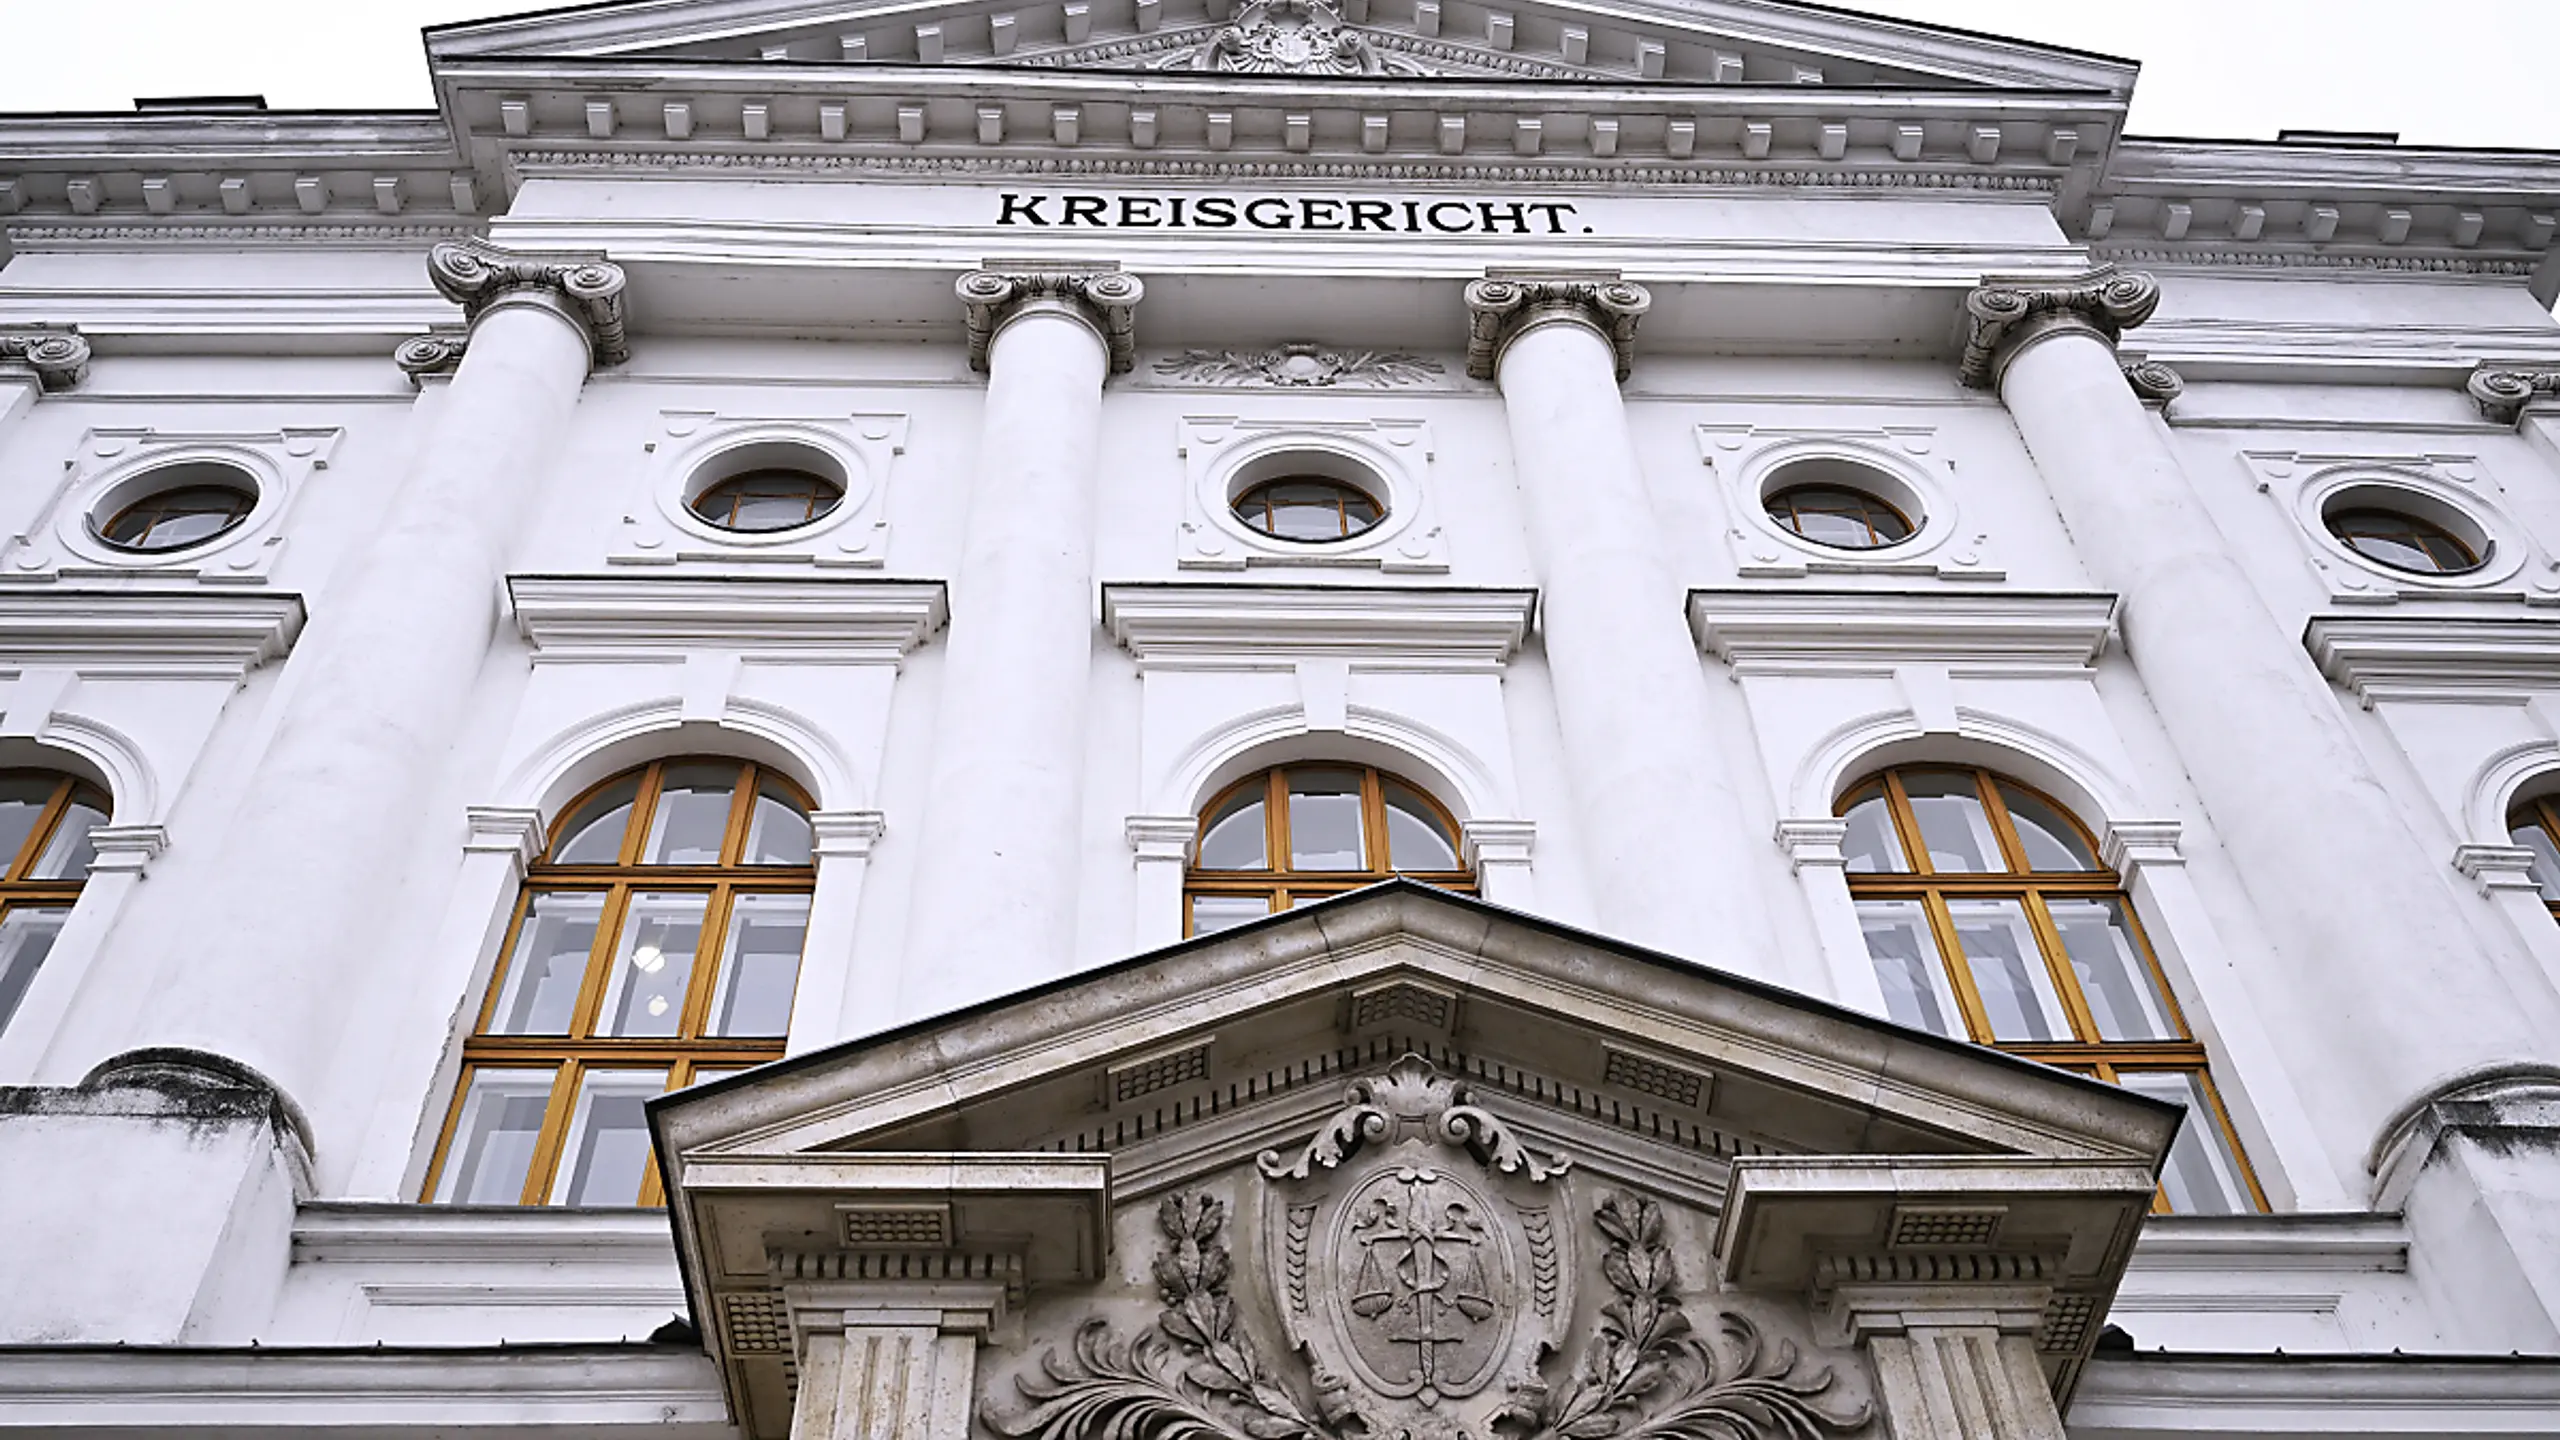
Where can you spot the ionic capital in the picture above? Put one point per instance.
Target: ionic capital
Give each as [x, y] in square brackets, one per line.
[2503, 394]
[2152, 382]
[584, 289]
[58, 354]
[1499, 310]
[2003, 316]
[1105, 299]
[437, 352]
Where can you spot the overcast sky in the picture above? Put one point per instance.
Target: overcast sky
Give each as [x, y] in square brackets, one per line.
[2452, 72]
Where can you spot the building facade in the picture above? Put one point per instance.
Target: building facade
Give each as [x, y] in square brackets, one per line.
[1274, 720]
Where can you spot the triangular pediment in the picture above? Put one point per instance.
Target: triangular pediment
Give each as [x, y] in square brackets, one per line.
[1724, 42]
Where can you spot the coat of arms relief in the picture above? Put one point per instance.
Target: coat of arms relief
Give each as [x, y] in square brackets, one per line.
[1422, 1263]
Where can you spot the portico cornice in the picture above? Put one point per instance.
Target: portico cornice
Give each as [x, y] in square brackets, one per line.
[2004, 315]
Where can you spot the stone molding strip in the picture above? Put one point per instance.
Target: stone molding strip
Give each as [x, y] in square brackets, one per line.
[1499, 309]
[475, 275]
[59, 355]
[1107, 299]
[2003, 315]
[2504, 394]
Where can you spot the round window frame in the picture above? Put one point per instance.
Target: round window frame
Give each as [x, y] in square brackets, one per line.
[1929, 511]
[114, 491]
[1285, 477]
[735, 453]
[2500, 544]
[1281, 454]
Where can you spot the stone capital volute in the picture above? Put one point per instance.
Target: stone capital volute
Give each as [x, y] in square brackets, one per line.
[59, 355]
[2003, 317]
[2503, 393]
[1105, 299]
[1500, 310]
[584, 290]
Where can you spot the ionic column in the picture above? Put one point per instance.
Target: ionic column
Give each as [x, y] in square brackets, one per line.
[999, 861]
[38, 360]
[2389, 986]
[288, 938]
[1670, 856]
[2527, 399]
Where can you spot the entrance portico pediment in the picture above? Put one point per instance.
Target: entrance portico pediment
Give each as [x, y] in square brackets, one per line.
[1399, 1161]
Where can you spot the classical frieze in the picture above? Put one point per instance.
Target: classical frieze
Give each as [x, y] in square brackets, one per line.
[1107, 298]
[1999, 315]
[588, 290]
[1300, 366]
[58, 356]
[2504, 394]
[1497, 309]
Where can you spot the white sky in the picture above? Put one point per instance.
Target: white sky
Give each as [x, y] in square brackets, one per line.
[2447, 72]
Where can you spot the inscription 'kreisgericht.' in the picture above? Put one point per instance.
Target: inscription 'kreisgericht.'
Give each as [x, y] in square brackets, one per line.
[1322, 213]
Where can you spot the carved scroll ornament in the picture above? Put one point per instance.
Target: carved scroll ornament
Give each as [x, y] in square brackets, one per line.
[1107, 299]
[2503, 394]
[1298, 366]
[1412, 1098]
[2003, 313]
[2154, 382]
[475, 275]
[59, 358]
[1500, 309]
[1290, 37]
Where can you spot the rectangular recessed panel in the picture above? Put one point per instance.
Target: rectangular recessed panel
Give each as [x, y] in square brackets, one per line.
[1403, 1002]
[896, 1227]
[1157, 1072]
[1658, 1078]
[1922, 1227]
[2066, 1323]
[756, 1324]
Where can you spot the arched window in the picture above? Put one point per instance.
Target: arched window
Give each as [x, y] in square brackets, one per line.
[657, 943]
[1296, 833]
[45, 820]
[1989, 918]
[2535, 825]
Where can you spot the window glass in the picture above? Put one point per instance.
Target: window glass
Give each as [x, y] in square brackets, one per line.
[553, 941]
[27, 934]
[69, 852]
[175, 518]
[652, 964]
[760, 501]
[779, 833]
[760, 967]
[1907, 966]
[495, 1138]
[1307, 507]
[1212, 913]
[1837, 516]
[1952, 822]
[593, 835]
[2546, 857]
[2008, 970]
[2202, 1177]
[2403, 542]
[23, 797]
[2114, 978]
[2052, 842]
[1233, 839]
[605, 1158]
[692, 816]
[1415, 840]
[1871, 845]
[1325, 832]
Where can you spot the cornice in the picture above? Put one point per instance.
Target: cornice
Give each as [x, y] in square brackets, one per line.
[2436, 657]
[193, 1390]
[307, 173]
[1791, 632]
[1265, 627]
[615, 618]
[146, 634]
[359, 1232]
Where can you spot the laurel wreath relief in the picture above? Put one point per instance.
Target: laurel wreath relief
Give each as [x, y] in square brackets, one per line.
[1647, 1374]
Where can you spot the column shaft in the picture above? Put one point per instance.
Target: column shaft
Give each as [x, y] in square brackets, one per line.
[289, 938]
[2358, 907]
[1671, 856]
[994, 904]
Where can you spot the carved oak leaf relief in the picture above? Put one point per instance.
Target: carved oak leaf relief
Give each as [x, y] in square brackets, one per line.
[1298, 367]
[1408, 1287]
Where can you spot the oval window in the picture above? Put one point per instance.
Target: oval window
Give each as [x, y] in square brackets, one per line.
[188, 504]
[766, 499]
[1837, 516]
[1308, 508]
[2403, 541]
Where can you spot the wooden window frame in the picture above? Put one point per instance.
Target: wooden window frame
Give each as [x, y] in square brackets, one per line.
[573, 1055]
[1283, 887]
[1791, 524]
[2085, 1052]
[2543, 813]
[2419, 528]
[819, 487]
[1341, 515]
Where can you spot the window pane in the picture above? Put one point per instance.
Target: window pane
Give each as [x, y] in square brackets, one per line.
[1324, 821]
[2546, 857]
[1415, 840]
[1233, 839]
[1916, 992]
[779, 833]
[26, 937]
[22, 801]
[2202, 1176]
[1829, 527]
[605, 1158]
[1871, 845]
[692, 816]
[594, 835]
[2008, 970]
[1212, 913]
[2051, 841]
[1952, 824]
[760, 966]
[652, 965]
[2114, 978]
[67, 855]
[553, 942]
[493, 1140]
